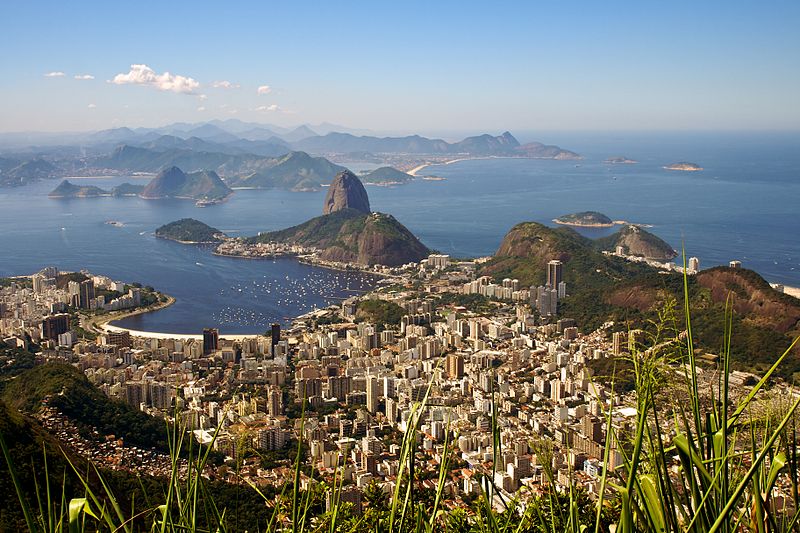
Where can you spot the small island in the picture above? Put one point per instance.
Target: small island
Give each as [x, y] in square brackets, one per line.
[67, 189]
[386, 176]
[190, 231]
[585, 219]
[620, 160]
[684, 166]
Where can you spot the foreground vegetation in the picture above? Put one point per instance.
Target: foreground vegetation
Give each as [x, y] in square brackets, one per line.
[715, 471]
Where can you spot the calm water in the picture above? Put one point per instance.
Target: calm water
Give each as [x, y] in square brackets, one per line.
[744, 205]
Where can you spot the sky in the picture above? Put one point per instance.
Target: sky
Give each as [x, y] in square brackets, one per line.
[402, 66]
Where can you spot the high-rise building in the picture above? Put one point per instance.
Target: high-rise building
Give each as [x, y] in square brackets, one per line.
[274, 401]
[210, 340]
[55, 325]
[694, 264]
[339, 387]
[373, 394]
[86, 294]
[554, 273]
[120, 339]
[38, 283]
[275, 337]
[455, 366]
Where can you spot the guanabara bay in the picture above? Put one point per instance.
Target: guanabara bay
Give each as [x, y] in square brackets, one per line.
[399, 267]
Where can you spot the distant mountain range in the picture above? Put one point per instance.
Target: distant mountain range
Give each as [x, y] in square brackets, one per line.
[243, 154]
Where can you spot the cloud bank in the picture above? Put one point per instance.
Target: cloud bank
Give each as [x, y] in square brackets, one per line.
[144, 75]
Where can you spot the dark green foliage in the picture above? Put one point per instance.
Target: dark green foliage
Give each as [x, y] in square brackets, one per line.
[379, 312]
[585, 218]
[386, 175]
[62, 280]
[189, 230]
[68, 390]
[127, 189]
[317, 231]
[477, 303]
[349, 235]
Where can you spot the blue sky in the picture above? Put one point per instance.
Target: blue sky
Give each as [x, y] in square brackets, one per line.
[403, 66]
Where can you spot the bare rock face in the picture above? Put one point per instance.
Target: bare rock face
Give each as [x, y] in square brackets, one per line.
[346, 192]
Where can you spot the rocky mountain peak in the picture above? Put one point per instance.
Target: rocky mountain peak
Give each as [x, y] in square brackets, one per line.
[346, 192]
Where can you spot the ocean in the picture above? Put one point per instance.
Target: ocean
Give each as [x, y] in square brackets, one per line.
[744, 205]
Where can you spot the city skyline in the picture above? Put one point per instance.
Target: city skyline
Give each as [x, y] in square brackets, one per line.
[413, 68]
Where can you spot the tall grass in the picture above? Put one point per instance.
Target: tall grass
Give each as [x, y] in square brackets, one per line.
[710, 466]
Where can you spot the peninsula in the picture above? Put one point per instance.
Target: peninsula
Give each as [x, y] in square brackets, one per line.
[347, 233]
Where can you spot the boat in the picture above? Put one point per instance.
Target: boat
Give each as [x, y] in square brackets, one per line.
[205, 202]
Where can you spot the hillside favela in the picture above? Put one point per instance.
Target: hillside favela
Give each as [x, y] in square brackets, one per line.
[411, 267]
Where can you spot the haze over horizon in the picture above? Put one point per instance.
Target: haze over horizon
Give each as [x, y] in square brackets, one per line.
[401, 69]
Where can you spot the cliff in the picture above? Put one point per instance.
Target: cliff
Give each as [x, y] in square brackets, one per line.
[346, 192]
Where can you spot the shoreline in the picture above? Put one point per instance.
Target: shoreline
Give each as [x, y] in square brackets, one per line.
[415, 171]
[584, 225]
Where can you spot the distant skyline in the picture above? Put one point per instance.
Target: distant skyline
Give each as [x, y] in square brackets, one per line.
[405, 67]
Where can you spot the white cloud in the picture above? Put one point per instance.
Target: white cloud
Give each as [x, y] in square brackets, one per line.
[202, 96]
[55, 74]
[84, 77]
[201, 108]
[225, 84]
[269, 108]
[144, 75]
[264, 89]
[91, 106]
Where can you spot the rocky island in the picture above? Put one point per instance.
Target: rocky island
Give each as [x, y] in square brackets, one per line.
[172, 182]
[190, 231]
[386, 176]
[684, 166]
[67, 189]
[585, 219]
[620, 160]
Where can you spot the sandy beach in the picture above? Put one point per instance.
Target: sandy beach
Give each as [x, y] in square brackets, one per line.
[177, 336]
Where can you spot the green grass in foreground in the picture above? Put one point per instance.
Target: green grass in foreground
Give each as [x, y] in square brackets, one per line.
[714, 472]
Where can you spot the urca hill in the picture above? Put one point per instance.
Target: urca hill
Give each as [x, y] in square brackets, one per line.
[349, 232]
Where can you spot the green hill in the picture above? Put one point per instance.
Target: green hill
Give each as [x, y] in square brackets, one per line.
[172, 182]
[585, 218]
[66, 189]
[386, 176]
[602, 288]
[127, 189]
[349, 235]
[635, 240]
[26, 172]
[296, 170]
[67, 389]
[189, 230]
